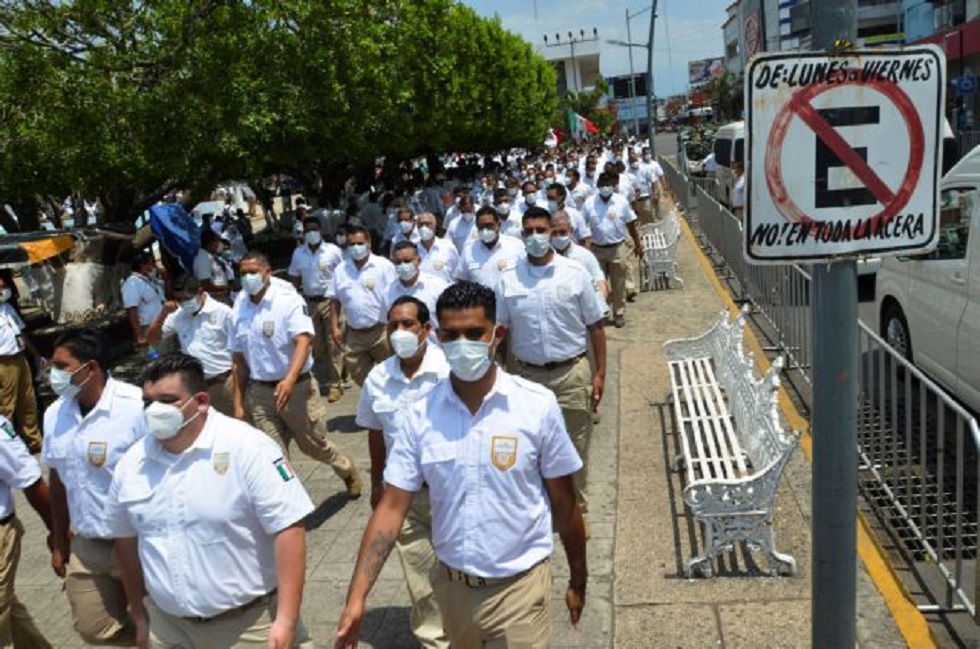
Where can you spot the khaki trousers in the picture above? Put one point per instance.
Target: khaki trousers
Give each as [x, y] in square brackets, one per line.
[222, 395]
[303, 420]
[365, 348]
[99, 607]
[572, 386]
[324, 349]
[614, 264]
[17, 400]
[248, 628]
[418, 559]
[17, 629]
[515, 614]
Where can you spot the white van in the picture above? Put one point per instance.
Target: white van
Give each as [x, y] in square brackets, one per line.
[729, 146]
[928, 306]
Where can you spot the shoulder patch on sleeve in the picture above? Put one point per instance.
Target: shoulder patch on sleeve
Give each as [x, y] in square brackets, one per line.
[284, 470]
[7, 428]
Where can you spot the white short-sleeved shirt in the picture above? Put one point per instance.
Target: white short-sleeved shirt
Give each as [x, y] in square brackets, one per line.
[84, 450]
[608, 220]
[145, 294]
[580, 228]
[387, 393]
[18, 470]
[205, 335]
[483, 265]
[462, 232]
[491, 514]
[265, 333]
[11, 327]
[440, 260]
[548, 309]
[578, 195]
[656, 171]
[315, 268]
[738, 193]
[205, 556]
[361, 291]
[642, 178]
[412, 237]
[426, 288]
[208, 267]
[587, 260]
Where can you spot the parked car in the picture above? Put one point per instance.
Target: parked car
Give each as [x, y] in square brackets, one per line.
[929, 305]
[729, 146]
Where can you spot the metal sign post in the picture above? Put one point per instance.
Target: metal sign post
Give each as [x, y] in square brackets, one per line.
[843, 160]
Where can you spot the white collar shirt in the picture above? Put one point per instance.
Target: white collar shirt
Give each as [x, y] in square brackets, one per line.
[205, 335]
[85, 450]
[656, 171]
[413, 236]
[440, 260]
[579, 194]
[265, 333]
[512, 226]
[18, 470]
[426, 288]
[11, 327]
[642, 179]
[388, 394]
[483, 265]
[203, 556]
[491, 515]
[608, 220]
[361, 291]
[145, 294]
[580, 228]
[315, 267]
[588, 261]
[461, 232]
[548, 309]
[211, 267]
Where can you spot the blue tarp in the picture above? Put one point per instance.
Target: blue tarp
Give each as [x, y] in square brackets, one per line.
[177, 232]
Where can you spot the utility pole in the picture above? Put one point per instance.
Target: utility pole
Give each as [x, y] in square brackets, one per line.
[834, 419]
[651, 97]
[629, 39]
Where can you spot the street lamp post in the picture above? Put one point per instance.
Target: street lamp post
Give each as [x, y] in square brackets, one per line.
[629, 39]
[572, 40]
[651, 98]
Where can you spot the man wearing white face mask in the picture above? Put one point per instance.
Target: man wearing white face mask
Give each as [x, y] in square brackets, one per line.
[203, 327]
[557, 197]
[142, 296]
[238, 575]
[493, 450]
[389, 391]
[17, 399]
[272, 336]
[406, 228]
[358, 287]
[562, 242]
[438, 256]
[310, 270]
[88, 428]
[412, 281]
[482, 261]
[462, 230]
[553, 312]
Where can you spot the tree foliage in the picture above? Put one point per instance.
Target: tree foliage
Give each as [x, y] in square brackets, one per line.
[127, 99]
[588, 104]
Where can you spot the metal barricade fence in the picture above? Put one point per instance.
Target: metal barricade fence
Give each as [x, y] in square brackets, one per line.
[677, 184]
[920, 450]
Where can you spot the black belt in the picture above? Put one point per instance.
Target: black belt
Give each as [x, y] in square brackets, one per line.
[315, 298]
[553, 365]
[474, 581]
[302, 378]
[260, 600]
[218, 378]
[606, 245]
[373, 327]
[9, 518]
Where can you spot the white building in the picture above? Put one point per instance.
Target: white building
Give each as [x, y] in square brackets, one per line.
[575, 60]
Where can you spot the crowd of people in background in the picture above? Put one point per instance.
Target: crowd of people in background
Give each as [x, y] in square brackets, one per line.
[467, 303]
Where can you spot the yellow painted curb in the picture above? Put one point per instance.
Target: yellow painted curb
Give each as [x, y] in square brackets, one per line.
[909, 619]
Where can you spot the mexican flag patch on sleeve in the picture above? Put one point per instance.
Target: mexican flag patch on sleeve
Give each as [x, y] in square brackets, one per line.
[284, 470]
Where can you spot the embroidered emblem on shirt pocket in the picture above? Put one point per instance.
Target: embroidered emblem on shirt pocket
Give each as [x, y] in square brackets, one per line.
[268, 328]
[438, 265]
[97, 453]
[503, 452]
[368, 284]
[221, 462]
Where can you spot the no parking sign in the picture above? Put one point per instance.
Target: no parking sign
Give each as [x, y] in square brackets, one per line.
[843, 153]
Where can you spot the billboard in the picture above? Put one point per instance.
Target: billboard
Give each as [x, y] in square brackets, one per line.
[704, 70]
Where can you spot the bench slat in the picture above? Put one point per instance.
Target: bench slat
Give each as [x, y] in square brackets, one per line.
[731, 447]
[702, 370]
[695, 462]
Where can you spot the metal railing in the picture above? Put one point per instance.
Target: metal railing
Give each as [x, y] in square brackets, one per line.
[920, 450]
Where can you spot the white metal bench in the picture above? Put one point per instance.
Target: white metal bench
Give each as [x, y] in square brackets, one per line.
[732, 444]
[659, 242]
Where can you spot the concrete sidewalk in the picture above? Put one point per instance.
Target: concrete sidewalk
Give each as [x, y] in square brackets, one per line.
[641, 535]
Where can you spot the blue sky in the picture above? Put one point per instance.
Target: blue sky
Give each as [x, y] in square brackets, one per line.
[686, 30]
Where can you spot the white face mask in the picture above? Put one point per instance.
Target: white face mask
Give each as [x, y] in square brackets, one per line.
[537, 245]
[61, 384]
[488, 235]
[469, 216]
[605, 192]
[313, 237]
[252, 283]
[406, 226]
[341, 240]
[191, 306]
[426, 233]
[553, 206]
[165, 420]
[469, 360]
[5, 294]
[561, 243]
[404, 343]
[406, 271]
[358, 251]
[503, 209]
[531, 200]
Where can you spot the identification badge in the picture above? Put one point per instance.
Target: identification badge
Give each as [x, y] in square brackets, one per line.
[268, 328]
[220, 462]
[213, 318]
[97, 453]
[368, 284]
[502, 264]
[611, 215]
[438, 264]
[503, 452]
[474, 265]
[323, 264]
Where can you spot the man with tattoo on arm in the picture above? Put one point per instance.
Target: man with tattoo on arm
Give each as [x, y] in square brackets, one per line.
[494, 452]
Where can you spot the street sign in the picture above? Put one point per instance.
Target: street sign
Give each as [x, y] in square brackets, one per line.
[843, 153]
